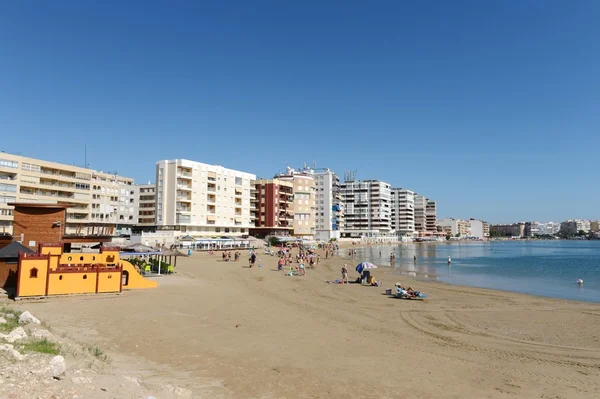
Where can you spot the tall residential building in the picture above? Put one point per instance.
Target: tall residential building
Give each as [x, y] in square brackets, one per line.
[457, 227]
[99, 203]
[431, 216]
[274, 201]
[420, 214]
[203, 200]
[329, 206]
[146, 200]
[403, 211]
[479, 229]
[304, 206]
[367, 206]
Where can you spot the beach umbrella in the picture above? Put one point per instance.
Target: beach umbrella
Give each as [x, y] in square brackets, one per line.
[364, 265]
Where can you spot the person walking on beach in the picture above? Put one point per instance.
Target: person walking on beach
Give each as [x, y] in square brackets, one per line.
[252, 259]
[415, 258]
[345, 274]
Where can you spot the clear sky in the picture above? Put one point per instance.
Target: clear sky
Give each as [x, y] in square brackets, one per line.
[490, 107]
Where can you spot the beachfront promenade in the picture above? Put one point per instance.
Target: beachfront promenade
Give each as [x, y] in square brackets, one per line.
[226, 331]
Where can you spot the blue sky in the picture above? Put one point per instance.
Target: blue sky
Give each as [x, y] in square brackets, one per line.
[490, 107]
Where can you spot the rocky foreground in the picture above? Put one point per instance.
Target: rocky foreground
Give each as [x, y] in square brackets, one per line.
[37, 364]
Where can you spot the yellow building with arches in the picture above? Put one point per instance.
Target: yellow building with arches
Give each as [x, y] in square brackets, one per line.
[51, 272]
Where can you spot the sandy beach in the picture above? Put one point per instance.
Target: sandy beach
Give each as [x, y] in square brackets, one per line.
[223, 330]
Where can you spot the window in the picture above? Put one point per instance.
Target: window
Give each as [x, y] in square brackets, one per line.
[4, 199]
[8, 188]
[30, 167]
[5, 163]
[33, 273]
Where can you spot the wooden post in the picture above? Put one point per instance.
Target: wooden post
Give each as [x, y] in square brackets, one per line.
[48, 274]
[97, 277]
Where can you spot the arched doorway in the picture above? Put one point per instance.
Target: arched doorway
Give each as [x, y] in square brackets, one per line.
[125, 278]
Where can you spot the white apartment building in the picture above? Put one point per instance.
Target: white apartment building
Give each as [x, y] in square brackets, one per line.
[457, 227]
[403, 211]
[420, 213]
[431, 216]
[146, 199]
[304, 204]
[367, 206]
[203, 200]
[329, 206]
[100, 203]
[574, 226]
[479, 229]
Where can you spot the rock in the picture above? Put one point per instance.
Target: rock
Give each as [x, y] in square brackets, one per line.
[184, 393]
[11, 351]
[2, 320]
[81, 380]
[15, 335]
[41, 334]
[9, 316]
[28, 318]
[58, 366]
[133, 380]
[181, 392]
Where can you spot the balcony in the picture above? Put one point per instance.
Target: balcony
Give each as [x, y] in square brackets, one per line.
[184, 187]
[184, 175]
[211, 199]
[211, 209]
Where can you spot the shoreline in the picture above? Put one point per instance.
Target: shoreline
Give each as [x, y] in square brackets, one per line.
[228, 331]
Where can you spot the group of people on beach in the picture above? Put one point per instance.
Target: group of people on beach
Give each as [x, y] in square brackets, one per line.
[306, 257]
[226, 256]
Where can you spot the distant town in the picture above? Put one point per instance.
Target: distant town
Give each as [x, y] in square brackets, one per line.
[201, 201]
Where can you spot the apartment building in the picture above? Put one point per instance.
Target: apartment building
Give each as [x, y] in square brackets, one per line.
[145, 195]
[403, 211]
[479, 229]
[203, 200]
[99, 203]
[457, 227]
[304, 205]
[329, 205]
[274, 205]
[430, 216]
[367, 206]
[420, 214]
[507, 230]
[574, 226]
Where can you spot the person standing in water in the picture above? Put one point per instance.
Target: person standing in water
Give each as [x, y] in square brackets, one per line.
[449, 261]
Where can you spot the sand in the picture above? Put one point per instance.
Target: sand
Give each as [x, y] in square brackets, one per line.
[223, 330]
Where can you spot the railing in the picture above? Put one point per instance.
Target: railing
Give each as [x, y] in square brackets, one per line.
[184, 174]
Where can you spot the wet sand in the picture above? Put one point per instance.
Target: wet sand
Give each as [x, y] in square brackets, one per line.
[223, 330]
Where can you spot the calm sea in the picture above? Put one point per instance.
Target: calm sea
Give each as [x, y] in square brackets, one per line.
[547, 268]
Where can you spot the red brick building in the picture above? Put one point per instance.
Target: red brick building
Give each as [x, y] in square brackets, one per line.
[274, 208]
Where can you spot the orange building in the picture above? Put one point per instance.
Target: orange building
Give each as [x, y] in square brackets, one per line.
[52, 272]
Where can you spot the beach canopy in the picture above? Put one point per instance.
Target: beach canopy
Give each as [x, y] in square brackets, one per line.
[365, 265]
[139, 247]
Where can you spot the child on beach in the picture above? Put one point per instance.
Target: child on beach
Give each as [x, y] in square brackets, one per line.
[345, 274]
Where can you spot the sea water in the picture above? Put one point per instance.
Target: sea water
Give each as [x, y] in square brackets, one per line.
[547, 268]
